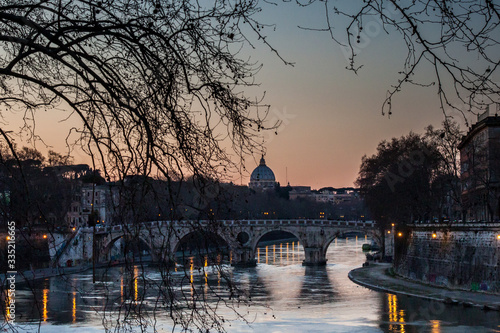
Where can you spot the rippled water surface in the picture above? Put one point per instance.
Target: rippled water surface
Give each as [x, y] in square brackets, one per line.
[284, 297]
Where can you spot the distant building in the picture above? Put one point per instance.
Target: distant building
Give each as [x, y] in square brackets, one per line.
[90, 198]
[325, 195]
[336, 196]
[480, 169]
[262, 177]
[300, 192]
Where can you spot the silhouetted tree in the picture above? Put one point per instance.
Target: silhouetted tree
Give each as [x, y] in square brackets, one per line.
[155, 85]
[446, 186]
[396, 181]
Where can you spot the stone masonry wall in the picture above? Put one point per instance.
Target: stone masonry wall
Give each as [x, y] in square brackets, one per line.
[458, 257]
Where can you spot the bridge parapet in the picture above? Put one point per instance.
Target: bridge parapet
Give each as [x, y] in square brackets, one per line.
[228, 223]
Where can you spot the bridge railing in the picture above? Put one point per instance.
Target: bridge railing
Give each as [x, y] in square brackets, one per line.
[183, 223]
[300, 222]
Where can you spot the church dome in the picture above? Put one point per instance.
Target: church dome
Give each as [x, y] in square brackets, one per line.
[262, 176]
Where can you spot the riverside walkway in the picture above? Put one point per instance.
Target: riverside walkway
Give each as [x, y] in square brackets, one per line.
[375, 277]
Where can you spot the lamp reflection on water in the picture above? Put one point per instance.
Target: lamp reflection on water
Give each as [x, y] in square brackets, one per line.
[136, 288]
[74, 307]
[398, 317]
[274, 253]
[191, 266]
[205, 270]
[395, 315]
[7, 307]
[121, 288]
[435, 326]
[44, 302]
[281, 253]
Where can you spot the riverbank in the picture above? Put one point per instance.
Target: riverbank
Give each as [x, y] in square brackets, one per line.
[376, 277]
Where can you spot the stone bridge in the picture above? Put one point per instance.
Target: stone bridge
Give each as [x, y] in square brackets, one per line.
[163, 238]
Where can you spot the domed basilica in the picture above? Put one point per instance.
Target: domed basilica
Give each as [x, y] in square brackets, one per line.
[262, 177]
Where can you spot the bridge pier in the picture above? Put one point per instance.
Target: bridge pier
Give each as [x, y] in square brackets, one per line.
[314, 256]
[243, 257]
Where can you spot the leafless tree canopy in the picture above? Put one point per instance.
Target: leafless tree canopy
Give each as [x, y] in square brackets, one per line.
[152, 80]
[157, 84]
[459, 39]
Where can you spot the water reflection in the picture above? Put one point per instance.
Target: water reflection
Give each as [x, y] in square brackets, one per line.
[136, 283]
[45, 301]
[74, 307]
[395, 315]
[412, 315]
[7, 306]
[435, 326]
[316, 287]
[280, 254]
[298, 297]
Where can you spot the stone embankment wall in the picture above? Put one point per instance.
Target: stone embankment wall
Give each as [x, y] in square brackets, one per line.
[456, 256]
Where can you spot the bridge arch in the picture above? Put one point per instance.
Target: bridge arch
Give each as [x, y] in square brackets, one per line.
[106, 250]
[263, 232]
[338, 234]
[206, 238]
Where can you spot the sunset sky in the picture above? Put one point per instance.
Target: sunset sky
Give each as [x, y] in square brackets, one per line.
[330, 116]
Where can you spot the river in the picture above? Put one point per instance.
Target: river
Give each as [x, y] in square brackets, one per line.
[279, 295]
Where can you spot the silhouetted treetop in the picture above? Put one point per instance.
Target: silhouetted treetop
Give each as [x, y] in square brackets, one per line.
[459, 40]
[156, 84]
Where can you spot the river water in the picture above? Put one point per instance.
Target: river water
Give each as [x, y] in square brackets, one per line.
[283, 296]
